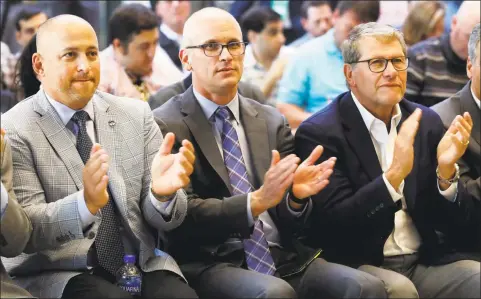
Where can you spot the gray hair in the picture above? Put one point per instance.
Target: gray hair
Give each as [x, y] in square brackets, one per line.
[473, 42]
[350, 47]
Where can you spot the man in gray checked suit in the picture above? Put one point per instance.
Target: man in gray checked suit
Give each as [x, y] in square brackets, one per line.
[94, 176]
[15, 227]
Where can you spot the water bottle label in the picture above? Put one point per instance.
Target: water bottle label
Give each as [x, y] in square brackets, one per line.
[132, 285]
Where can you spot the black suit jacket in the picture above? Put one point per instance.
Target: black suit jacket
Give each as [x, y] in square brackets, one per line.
[248, 90]
[172, 48]
[214, 215]
[354, 215]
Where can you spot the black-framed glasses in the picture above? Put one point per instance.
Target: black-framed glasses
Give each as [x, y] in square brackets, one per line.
[378, 65]
[215, 49]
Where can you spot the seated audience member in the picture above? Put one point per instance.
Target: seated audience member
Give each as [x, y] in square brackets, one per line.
[94, 176]
[166, 93]
[467, 99]
[27, 21]
[7, 66]
[316, 19]
[265, 56]
[237, 240]
[437, 66]
[26, 81]
[173, 15]
[15, 226]
[134, 65]
[425, 20]
[395, 182]
[313, 76]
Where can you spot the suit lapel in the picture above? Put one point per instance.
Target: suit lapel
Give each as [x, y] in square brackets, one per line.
[57, 134]
[107, 137]
[256, 133]
[410, 181]
[358, 137]
[202, 132]
[468, 104]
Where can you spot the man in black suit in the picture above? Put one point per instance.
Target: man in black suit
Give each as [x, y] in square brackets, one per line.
[393, 187]
[467, 99]
[173, 15]
[238, 240]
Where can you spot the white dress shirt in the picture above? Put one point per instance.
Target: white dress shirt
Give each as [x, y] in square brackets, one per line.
[405, 238]
[171, 34]
[476, 100]
[65, 113]
[209, 108]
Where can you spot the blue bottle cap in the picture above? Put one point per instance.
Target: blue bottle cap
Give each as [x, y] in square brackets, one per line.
[129, 259]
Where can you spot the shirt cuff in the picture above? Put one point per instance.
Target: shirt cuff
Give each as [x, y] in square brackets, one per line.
[3, 201]
[394, 194]
[295, 212]
[250, 218]
[451, 193]
[163, 207]
[86, 218]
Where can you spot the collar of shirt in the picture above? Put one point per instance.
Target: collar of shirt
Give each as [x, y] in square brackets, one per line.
[66, 112]
[330, 44]
[171, 34]
[476, 100]
[375, 126]
[209, 107]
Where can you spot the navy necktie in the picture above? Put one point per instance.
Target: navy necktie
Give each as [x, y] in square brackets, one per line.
[108, 243]
[258, 256]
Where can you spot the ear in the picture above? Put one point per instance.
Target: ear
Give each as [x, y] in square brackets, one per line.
[118, 47]
[335, 16]
[469, 66]
[185, 59]
[348, 74]
[17, 36]
[304, 23]
[454, 22]
[37, 65]
[251, 36]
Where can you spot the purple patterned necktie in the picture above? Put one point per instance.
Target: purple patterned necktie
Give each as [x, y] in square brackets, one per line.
[258, 256]
[108, 243]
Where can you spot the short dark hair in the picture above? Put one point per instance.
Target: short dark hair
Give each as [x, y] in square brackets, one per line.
[257, 17]
[26, 14]
[366, 11]
[130, 19]
[308, 4]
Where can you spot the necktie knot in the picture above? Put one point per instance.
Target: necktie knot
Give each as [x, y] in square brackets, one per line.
[81, 117]
[223, 113]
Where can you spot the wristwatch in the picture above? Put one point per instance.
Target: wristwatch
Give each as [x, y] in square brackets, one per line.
[454, 179]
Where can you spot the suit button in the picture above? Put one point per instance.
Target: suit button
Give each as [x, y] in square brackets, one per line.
[368, 215]
[381, 205]
[91, 235]
[377, 208]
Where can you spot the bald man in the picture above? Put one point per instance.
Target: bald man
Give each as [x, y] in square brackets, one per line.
[437, 66]
[239, 239]
[95, 177]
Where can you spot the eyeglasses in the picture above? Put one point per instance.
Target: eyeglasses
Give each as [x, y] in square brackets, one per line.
[215, 49]
[378, 65]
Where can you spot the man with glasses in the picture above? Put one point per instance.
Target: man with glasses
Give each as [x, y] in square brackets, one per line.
[239, 239]
[395, 184]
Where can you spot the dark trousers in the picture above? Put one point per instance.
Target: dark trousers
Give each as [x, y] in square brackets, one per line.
[101, 284]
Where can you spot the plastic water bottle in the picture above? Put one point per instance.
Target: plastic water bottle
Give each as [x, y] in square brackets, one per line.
[129, 277]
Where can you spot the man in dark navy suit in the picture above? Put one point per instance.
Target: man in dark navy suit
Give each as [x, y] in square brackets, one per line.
[394, 190]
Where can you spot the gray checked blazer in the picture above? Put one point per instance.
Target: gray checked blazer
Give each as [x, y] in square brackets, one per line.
[47, 179]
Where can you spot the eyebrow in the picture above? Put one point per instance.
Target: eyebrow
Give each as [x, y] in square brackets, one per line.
[215, 41]
[76, 48]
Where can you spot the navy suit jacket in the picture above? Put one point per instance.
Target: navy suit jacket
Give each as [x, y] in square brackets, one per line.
[354, 215]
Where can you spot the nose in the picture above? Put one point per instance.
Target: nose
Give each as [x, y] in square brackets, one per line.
[390, 71]
[83, 64]
[151, 51]
[282, 38]
[225, 54]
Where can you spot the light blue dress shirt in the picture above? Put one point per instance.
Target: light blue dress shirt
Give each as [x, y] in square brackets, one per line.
[209, 108]
[314, 75]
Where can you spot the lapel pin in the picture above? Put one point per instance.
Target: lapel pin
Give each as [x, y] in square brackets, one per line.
[112, 123]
